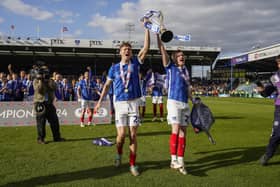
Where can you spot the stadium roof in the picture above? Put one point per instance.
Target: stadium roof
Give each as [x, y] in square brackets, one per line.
[258, 60]
[71, 50]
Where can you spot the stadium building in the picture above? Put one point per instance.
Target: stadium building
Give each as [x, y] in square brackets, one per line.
[255, 64]
[72, 56]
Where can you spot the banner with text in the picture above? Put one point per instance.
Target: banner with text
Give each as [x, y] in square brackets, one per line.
[22, 113]
[263, 54]
[239, 60]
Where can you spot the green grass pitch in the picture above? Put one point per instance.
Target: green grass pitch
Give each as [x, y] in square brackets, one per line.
[241, 130]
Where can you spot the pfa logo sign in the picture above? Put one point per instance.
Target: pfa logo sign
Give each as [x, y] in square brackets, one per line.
[102, 112]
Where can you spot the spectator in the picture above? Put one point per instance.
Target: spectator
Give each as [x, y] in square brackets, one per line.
[59, 95]
[67, 90]
[5, 89]
[98, 89]
[28, 88]
[17, 88]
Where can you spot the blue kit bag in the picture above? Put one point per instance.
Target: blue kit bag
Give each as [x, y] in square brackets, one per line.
[202, 118]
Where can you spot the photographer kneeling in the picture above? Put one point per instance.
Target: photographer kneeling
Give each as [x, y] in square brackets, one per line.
[44, 88]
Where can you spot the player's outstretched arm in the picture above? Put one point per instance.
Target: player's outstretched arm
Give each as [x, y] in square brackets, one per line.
[103, 93]
[164, 55]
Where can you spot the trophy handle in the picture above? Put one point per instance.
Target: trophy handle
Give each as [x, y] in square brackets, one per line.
[150, 14]
[166, 35]
[160, 15]
[156, 25]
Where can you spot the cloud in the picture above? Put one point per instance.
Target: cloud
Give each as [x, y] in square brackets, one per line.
[102, 3]
[116, 26]
[78, 32]
[108, 24]
[21, 8]
[232, 25]
[57, 1]
[1, 20]
[66, 16]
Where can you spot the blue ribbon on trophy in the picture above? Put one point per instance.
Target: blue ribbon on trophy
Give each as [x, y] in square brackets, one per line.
[155, 24]
[183, 38]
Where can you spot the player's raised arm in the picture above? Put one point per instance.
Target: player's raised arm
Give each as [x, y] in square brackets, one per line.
[164, 55]
[143, 52]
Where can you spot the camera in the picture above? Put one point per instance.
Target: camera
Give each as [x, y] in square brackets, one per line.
[268, 88]
[40, 72]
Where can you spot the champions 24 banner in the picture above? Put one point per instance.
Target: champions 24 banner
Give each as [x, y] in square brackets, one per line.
[22, 113]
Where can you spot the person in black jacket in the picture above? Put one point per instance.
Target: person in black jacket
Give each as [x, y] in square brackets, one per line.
[44, 95]
[274, 140]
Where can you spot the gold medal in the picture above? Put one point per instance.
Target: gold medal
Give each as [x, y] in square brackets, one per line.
[126, 90]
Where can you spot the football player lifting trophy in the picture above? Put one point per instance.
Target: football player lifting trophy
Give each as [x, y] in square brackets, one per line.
[155, 24]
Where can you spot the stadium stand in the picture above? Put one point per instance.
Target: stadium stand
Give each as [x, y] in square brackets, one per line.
[240, 72]
[258, 63]
[71, 56]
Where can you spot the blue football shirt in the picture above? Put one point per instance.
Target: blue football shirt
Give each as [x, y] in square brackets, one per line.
[134, 90]
[178, 83]
[87, 88]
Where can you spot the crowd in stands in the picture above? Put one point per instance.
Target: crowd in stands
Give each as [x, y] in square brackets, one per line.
[209, 88]
[224, 88]
[18, 86]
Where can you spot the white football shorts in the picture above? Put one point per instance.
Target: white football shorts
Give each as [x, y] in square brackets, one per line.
[157, 99]
[127, 113]
[178, 113]
[87, 104]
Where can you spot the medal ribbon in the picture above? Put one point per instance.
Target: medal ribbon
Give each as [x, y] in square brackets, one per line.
[125, 80]
[184, 74]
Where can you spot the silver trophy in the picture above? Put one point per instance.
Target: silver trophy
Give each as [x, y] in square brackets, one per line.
[155, 24]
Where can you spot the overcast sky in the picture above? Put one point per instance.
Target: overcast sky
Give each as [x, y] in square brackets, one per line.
[235, 26]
